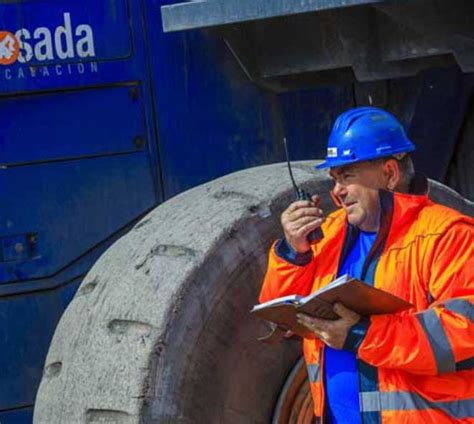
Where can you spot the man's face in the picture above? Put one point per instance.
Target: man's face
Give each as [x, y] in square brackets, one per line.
[356, 187]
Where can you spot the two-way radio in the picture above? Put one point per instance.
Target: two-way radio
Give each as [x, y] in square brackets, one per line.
[317, 233]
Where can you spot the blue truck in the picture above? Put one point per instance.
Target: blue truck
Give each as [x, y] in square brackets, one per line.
[111, 108]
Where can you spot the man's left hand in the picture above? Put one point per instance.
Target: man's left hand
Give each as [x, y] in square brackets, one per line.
[332, 333]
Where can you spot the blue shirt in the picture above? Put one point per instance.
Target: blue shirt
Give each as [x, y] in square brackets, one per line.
[340, 377]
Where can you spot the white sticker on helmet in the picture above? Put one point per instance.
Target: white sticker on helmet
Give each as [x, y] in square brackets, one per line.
[347, 152]
[332, 152]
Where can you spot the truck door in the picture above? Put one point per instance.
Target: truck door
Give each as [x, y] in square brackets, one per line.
[78, 165]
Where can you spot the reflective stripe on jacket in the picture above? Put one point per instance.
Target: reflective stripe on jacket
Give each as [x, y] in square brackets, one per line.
[416, 366]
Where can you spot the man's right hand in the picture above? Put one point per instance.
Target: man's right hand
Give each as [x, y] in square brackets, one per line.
[299, 219]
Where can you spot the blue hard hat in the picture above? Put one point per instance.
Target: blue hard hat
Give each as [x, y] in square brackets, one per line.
[365, 133]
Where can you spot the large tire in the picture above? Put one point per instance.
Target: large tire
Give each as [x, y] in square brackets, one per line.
[159, 331]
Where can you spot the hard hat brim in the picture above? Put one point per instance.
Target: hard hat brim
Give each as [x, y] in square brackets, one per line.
[323, 165]
[335, 163]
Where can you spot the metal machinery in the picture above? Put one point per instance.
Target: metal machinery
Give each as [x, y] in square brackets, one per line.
[105, 115]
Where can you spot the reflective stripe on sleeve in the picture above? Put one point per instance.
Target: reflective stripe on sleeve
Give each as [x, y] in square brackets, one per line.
[313, 372]
[462, 307]
[405, 401]
[466, 364]
[438, 340]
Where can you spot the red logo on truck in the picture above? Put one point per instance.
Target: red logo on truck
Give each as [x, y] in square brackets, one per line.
[9, 48]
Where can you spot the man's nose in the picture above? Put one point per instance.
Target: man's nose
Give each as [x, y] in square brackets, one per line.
[339, 190]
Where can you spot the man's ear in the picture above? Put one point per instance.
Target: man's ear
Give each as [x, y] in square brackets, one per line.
[392, 174]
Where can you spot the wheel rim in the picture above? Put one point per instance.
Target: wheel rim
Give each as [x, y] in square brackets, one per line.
[295, 404]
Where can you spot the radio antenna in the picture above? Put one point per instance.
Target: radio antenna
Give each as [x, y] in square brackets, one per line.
[297, 190]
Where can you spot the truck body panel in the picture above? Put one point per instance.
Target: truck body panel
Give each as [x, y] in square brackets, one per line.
[104, 116]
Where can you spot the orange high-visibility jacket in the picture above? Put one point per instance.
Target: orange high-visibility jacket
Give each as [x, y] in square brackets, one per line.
[416, 366]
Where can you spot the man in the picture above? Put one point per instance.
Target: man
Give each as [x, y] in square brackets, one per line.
[411, 367]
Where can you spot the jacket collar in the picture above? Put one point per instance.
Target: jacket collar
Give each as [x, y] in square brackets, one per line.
[403, 207]
[396, 209]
